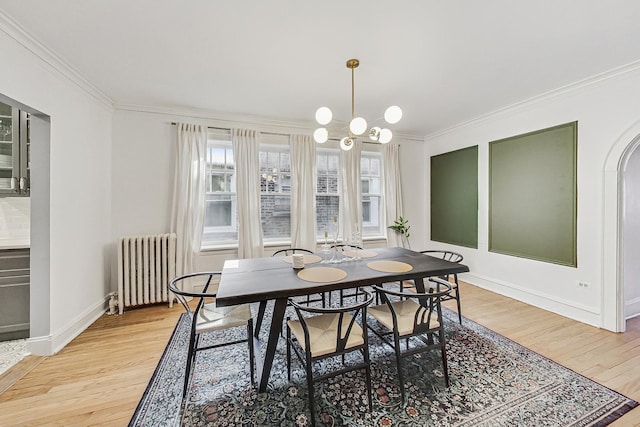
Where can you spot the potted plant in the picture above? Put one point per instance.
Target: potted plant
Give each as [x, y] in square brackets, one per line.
[401, 226]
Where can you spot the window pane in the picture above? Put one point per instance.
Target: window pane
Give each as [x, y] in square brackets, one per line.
[327, 208]
[221, 223]
[217, 182]
[276, 216]
[321, 164]
[218, 213]
[322, 186]
[374, 186]
[375, 166]
[364, 166]
[285, 162]
[332, 184]
[216, 157]
[332, 164]
[230, 163]
[365, 186]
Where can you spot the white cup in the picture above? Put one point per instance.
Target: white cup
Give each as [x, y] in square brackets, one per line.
[298, 261]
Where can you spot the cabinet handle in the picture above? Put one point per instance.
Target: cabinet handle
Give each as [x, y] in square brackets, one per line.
[23, 183]
[14, 183]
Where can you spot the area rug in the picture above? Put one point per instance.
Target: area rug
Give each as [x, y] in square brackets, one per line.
[494, 382]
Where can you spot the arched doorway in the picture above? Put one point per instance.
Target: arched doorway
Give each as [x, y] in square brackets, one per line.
[621, 176]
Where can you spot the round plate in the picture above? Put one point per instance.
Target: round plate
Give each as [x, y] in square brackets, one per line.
[390, 266]
[322, 274]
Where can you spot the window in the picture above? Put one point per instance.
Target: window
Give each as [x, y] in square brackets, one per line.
[221, 218]
[370, 174]
[220, 223]
[327, 195]
[275, 192]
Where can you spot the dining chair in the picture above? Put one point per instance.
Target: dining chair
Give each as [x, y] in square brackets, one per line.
[321, 333]
[455, 288]
[205, 317]
[414, 318]
[342, 248]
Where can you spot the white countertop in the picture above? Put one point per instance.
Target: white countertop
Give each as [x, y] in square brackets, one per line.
[15, 243]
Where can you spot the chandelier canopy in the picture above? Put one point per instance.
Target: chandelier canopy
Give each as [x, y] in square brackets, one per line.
[358, 125]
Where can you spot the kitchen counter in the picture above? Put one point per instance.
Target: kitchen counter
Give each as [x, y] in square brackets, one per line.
[15, 244]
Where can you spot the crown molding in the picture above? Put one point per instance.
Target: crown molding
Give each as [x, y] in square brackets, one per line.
[225, 119]
[10, 27]
[572, 87]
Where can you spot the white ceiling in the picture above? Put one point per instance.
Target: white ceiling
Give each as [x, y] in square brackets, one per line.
[443, 62]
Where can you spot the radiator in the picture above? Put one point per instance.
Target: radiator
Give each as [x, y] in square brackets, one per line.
[146, 264]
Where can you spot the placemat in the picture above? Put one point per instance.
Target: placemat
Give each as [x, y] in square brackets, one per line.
[322, 274]
[360, 252]
[308, 259]
[390, 266]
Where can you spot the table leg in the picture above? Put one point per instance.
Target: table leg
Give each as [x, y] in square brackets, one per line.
[264, 371]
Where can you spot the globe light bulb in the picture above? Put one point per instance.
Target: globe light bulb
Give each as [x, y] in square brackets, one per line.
[358, 126]
[374, 133]
[393, 114]
[323, 115]
[320, 135]
[346, 143]
[385, 136]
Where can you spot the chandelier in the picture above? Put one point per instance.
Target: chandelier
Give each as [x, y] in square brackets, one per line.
[357, 126]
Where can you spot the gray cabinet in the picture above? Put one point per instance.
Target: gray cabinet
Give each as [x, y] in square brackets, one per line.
[14, 294]
[14, 151]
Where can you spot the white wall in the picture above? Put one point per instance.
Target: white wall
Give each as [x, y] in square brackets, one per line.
[77, 190]
[604, 108]
[631, 234]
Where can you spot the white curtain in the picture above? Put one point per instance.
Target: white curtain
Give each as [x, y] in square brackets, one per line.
[392, 190]
[187, 213]
[351, 194]
[246, 150]
[303, 192]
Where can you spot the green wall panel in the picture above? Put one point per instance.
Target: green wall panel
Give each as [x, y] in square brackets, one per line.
[532, 195]
[454, 197]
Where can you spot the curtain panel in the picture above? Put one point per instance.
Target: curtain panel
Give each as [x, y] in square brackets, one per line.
[246, 150]
[351, 194]
[392, 190]
[303, 192]
[188, 209]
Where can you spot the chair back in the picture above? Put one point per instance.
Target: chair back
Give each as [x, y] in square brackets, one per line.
[424, 305]
[445, 255]
[291, 251]
[209, 281]
[344, 328]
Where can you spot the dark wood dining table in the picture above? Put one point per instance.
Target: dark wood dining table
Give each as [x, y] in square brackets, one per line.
[258, 280]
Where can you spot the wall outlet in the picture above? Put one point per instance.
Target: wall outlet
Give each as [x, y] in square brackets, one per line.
[584, 285]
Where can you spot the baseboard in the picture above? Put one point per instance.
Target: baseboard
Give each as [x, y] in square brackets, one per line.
[51, 344]
[632, 308]
[566, 308]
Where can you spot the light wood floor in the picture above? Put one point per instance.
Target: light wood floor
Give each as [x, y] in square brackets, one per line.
[100, 376]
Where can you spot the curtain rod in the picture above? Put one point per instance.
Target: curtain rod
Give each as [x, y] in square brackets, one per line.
[218, 128]
[278, 134]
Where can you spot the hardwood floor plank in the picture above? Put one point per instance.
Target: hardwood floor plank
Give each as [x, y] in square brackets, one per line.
[98, 378]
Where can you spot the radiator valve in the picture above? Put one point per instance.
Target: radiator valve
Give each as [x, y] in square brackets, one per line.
[113, 303]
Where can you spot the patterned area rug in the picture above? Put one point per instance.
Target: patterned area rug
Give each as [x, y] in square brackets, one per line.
[494, 382]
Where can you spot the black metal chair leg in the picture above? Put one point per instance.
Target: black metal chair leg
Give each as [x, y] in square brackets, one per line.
[312, 403]
[251, 353]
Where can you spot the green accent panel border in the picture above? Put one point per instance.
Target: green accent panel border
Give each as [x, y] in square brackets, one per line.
[454, 197]
[533, 195]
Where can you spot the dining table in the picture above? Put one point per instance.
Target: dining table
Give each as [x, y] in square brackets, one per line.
[260, 280]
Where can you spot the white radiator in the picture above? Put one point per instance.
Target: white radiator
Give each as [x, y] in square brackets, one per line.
[146, 264]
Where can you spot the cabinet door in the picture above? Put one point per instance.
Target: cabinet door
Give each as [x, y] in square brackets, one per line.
[14, 151]
[9, 158]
